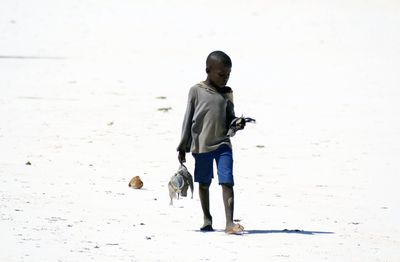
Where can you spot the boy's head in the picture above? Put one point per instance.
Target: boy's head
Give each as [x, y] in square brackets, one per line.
[218, 68]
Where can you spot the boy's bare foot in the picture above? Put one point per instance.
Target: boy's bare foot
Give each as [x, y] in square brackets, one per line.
[234, 229]
[207, 228]
[207, 225]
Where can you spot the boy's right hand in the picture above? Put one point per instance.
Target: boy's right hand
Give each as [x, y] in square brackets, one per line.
[182, 157]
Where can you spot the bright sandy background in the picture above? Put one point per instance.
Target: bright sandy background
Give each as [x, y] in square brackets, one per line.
[93, 93]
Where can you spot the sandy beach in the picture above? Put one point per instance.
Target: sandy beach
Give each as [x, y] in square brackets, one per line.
[94, 92]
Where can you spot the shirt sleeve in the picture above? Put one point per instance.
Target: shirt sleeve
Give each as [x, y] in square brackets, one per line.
[186, 135]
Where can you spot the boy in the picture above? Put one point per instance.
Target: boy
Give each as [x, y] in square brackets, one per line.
[204, 133]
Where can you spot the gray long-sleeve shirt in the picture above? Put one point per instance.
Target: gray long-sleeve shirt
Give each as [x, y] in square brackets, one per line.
[208, 114]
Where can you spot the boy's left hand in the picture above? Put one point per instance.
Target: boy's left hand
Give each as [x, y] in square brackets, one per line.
[241, 123]
[182, 157]
[238, 124]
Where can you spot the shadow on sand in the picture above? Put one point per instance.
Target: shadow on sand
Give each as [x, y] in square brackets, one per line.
[30, 57]
[271, 231]
[285, 231]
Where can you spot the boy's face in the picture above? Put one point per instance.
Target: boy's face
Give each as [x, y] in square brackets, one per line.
[218, 74]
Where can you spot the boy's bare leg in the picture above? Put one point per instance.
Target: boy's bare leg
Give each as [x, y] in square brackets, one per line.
[204, 194]
[228, 196]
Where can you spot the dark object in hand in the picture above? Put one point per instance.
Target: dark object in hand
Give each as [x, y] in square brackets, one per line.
[238, 124]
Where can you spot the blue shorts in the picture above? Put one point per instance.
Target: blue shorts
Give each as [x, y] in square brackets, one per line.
[203, 169]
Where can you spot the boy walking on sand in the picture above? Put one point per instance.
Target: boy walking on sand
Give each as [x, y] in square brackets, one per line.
[204, 133]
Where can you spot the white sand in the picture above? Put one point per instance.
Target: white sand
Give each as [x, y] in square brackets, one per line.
[320, 77]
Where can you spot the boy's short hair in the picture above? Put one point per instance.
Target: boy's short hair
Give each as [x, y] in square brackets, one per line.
[220, 57]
